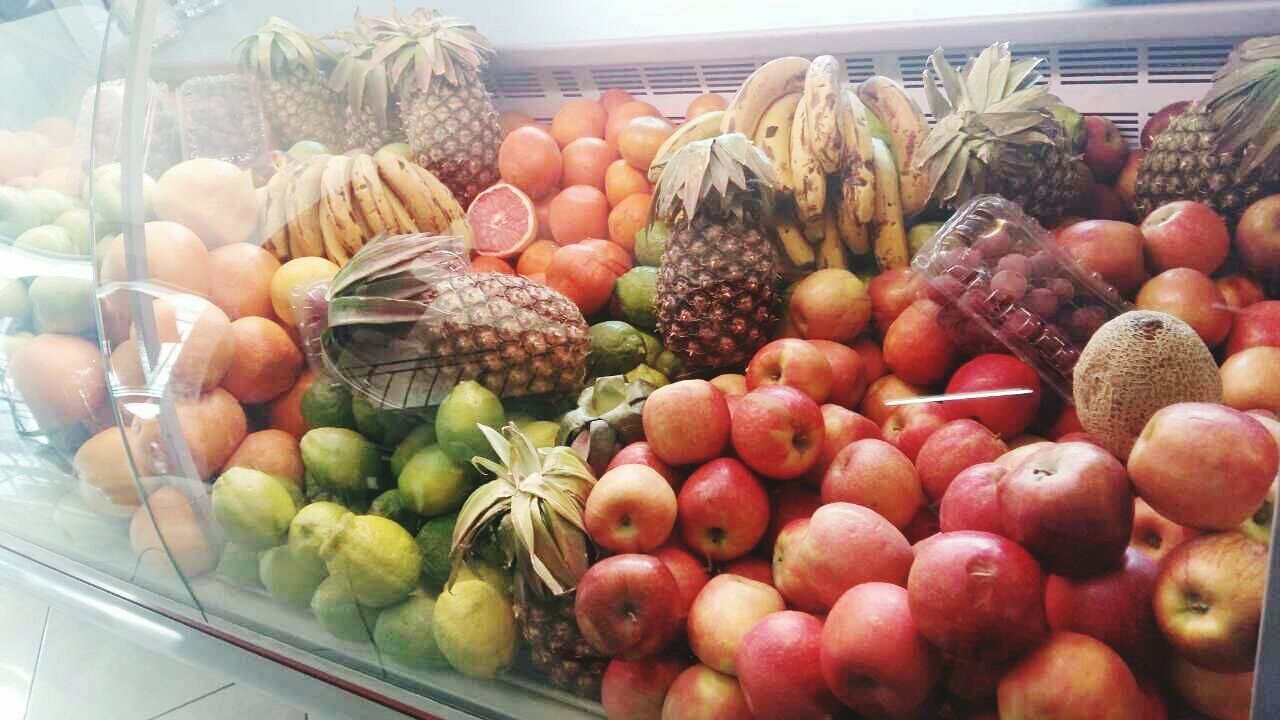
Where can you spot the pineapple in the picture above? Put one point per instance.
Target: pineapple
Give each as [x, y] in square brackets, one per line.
[531, 514]
[368, 122]
[717, 291]
[996, 133]
[435, 64]
[1224, 150]
[290, 67]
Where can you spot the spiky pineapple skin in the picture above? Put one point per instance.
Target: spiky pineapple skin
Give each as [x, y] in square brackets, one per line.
[556, 645]
[1042, 179]
[717, 291]
[301, 107]
[362, 130]
[453, 131]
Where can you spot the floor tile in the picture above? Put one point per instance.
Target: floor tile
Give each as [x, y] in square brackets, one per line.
[233, 701]
[22, 623]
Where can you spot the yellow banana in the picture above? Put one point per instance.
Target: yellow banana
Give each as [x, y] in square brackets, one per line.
[344, 229]
[773, 136]
[810, 188]
[902, 118]
[305, 237]
[822, 90]
[831, 253]
[859, 156]
[890, 232]
[794, 244]
[778, 77]
[275, 224]
[853, 232]
[703, 127]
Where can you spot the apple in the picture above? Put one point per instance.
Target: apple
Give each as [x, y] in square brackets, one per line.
[780, 670]
[787, 568]
[1187, 234]
[970, 500]
[829, 304]
[1203, 465]
[923, 525]
[1257, 324]
[1153, 705]
[872, 656]
[1240, 291]
[792, 362]
[787, 502]
[1258, 237]
[873, 367]
[1192, 297]
[1070, 677]
[700, 693]
[728, 607]
[1083, 204]
[635, 690]
[1154, 534]
[1017, 455]
[1111, 248]
[952, 448]
[1067, 422]
[1258, 526]
[875, 403]
[1126, 182]
[844, 545]
[1208, 600]
[874, 474]
[691, 575]
[686, 422]
[723, 510]
[892, 291]
[1251, 379]
[1108, 204]
[731, 384]
[1114, 607]
[1159, 121]
[848, 378]
[751, 568]
[628, 606]
[916, 348]
[977, 595]
[1105, 149]
[840, 427]
[631, 508]
[910, 425]
[1221, 696]
[778, 431]
[1070, 504]
[1005, 416]
[641, 453]
[974, 681]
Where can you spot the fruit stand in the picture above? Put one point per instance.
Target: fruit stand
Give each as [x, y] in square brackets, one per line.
[494, 362]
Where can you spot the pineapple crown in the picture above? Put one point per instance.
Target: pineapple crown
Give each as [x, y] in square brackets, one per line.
[537, 499]
[365, 83]
[426, 44]
[1245, 105]
[280, 47]
[714, 176]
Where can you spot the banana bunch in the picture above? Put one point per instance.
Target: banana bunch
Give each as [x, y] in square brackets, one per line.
[331, 205]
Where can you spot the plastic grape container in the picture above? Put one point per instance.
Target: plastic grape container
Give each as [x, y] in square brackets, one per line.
[221, 118]
[1006, 286]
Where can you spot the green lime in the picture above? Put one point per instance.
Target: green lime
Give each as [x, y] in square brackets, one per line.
[385, 427]
[647, 374]
[14, 302]
[76, 222]
[63, 304]
[467, 406]
[239, 565]
[52, 239]
[50, 203]
[651, 240]
[475, 628]
[636, 290]
[376, 555]
[418, 438]
[432, 483]
[435, 540]
[393, 506]
[327, 404]
[616, 347]
[314, 524]
[335, 607]
[253, 508]
[668, 364]
[289, 578]
[341, 460]
[919, 234]
[542, 433]
[404, 633]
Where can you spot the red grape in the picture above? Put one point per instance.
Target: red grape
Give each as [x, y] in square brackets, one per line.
[1062, 287]
[1010, 283]
[1015, 262]
[995, 242]
[1042, 301]
[1042, 264]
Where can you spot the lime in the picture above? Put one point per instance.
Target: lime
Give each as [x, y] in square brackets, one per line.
[418, 438]
[468, 405]
[404, 634]
[17, 213]
[475, 628]
[253, 508]
[335, 607]
[289, 578]
[919, 234]
[377, 556]
[327, 404]
[50, 203]
[62, 304]
[651, 240]
[14, 302]
[341, 460]
[542, 433]
[46, 239]
[434, 540]
[385, 427]
[76, 222]
[393, 506]
[644, 373]
[636, 290]
[432, 483]
[239, 565]
[616, 347]
[314, 524]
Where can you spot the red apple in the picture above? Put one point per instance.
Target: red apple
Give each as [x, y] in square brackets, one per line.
[829, 304]
[1155, 535]
[791, 362]
[910, 425]
[892, 291]
[778, 431]
[691, 575]
[973, 680]
[952, 448]
[841, 427]
[882, 391]
[1128, 179]
[1107, 204]
[631, 508]
[848, 379]
[844, 545]
[787, 502]
[873, 366]
[1017, 455]
[1160, 120]
[1070, 677]
[731, 384]
[1111, 248]
[1185, 233]
[1258, 526]
[780, 670]
[751, 568]
[1251, 379]
[1258, 238]
[1105, 149]
[1070, 504]
[1258, 324]
[1239, 291]
[634, 690]
[1083, 203]
[728, 607]
[916, 348]
[1153, 705]
[1208, 600]
[641, 453]
[873, 658]
[970, 500]
[1067, 422]
[788, 575]
[977, 595]
[700, 693]
[723, 510]
[875, 475]
[686, 422]
[1114, 607]
[1005, 416]
[1203, 465]
[628, 606]
[1190, 296]
[1221, 696]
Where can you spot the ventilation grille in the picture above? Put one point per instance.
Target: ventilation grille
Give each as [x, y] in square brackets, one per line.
[726, 77]
[1126, 122]
[1185, 63]
[518, 84]
[858, 68]
[1098, 66]
[567, 83]
[672, 79]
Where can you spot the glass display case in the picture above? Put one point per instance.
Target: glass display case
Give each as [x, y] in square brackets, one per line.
[476, 357]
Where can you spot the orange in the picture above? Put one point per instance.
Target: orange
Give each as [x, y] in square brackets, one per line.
[240, 280]
[639, 140]
[535, 258]
[621, 180]
[586, 161]
[174, 256]
[613, 97]
[585, 272]
[512, 119]
[170, 516]
[529, 158]
[274, 452]
[578, 119]
[628, 217]
[503, 221]
[106, 477]
[543, 207]
[485, 263]
[291, 281]
[213, 426]
[579, 212]
[266, 362]
[60, 377]
[617, 260]
[705, 103]
[624, 114]
[285, 412]
[540, 278]
[203, 355]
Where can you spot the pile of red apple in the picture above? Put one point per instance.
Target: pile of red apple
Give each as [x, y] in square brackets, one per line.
[797, 542]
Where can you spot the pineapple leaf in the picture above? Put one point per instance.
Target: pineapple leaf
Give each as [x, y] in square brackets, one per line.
[482, 505]
[979, 73]
[501, 447]
[940, 163]
[371, 310]
[938, 104]
[1027, 98]
[998, 76]
[1020, 71]
[1003, 124]
[954, 179]
[952, 83]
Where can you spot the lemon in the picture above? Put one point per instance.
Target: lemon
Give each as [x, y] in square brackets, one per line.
[327, 404]
[636, 291]
[239, 565]
[468, 405]
[432, 483]
[290, 283]
[314, 524]
[335, 607]
[378, 557]
[485, 572]
[341, 460]
[404, 632]
[434, 540]
[475, 628]
[289, 578]
[418, 438]
[253, 508]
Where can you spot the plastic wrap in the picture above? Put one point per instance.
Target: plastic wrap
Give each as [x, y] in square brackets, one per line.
[103, 133]
[221, 117]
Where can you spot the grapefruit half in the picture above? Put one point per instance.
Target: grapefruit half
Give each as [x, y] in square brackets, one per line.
[503, 221]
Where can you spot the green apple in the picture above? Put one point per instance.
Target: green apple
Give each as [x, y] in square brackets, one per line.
[76, 222]
[14, 302]
[51, 203]
[1258, 526]
[307, 148]
[17, 213]
[919, 234]
[398, 148]
[108, 200]
[46, 239]
[62, 304]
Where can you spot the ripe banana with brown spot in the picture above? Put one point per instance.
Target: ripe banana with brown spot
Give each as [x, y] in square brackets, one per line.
[794, 244]
[344, 229]
[305, 237]
[852, 232]
[810, 189]
[900, 115]
[444, 199]
[703, 127]
[822, 91]
[831, 252]
[859, 158]
[371, 197]
[773, 136]
[275, 224]
[412, 193]
[889, 231]
[778, 77]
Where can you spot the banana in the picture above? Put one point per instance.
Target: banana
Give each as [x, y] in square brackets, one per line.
[305, 237]
[890, 232]
[831, 253]
[822, 91]
[370, 197]
[778, 77]
[344, 230]
[412, 193]
[902, 118]
[702, 127]
[852, 231]
[275, 224]
[773, 136]
[858, 156]
[794, 244]
[810, 188]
